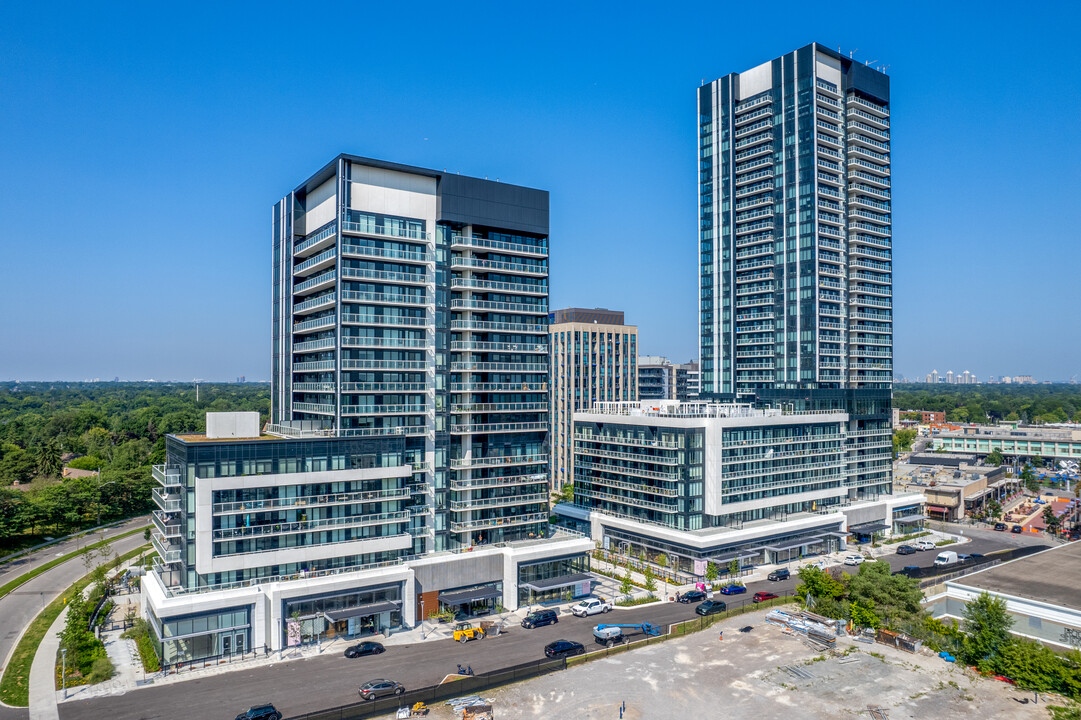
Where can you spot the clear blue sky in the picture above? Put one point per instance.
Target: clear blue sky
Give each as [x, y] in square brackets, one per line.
[143, 146]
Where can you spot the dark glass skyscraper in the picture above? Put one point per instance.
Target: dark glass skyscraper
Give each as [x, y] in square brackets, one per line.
[795, 245]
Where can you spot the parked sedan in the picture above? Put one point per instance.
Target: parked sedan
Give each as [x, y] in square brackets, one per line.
[563, 648]
[364, 648]
[906, 550]
[380, 688]
[780, 574]
[763, 596]
[923, 545]
[692, 596]
[853, 559]
[1000, 526]
[1017, 529]
[260, 712]
[711, 607]
[733, 589]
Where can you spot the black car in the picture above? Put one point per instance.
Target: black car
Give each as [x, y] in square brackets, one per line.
[380, 688]
[364, 648]
[781, 574]
[540, 618]
[692, 596]
[260, 712]
[711, 607]
[563, 648]
[1017, 529]
[906, 550]
[1000, 526]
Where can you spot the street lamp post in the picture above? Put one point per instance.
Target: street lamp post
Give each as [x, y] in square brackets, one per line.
[63, 671]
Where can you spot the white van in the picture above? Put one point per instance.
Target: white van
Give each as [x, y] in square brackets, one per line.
[948, 557]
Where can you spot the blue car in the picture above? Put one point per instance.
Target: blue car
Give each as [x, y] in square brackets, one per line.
[733, 589]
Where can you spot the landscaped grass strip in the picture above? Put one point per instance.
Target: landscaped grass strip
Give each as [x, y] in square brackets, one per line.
[28, 576]
[15, 684]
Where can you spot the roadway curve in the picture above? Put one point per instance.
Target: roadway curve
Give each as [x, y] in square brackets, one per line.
[22, 605]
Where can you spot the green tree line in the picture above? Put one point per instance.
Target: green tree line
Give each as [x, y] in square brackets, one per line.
[1057, 403]
[116, 430]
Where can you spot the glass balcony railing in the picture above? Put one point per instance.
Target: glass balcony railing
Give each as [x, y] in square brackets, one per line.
[314, 304]
[499, 387]
[369, 251]
[316, 283]
[383, 387]
[168, 524]
[306, 526]
[499, 367]
[167, 501]
[166, 476]
[502, 481]
[313, 325]
[397, 409]
[312, 366]
[489, 326]
[384, 298]
[457, 241]
[516, 288]
[315, 242]
[484, 503]
[384, 342]
[418, 278]
[493, 428]
[498, 461]
[399, 365]
[313, 345]
[499, 407]
[481, 346]
[496, 522]
[320, 408]
[499, 265]
[385, 320]
[305, 501]
[321, 260]
[494, 306]
[370, 228]
[169, 552]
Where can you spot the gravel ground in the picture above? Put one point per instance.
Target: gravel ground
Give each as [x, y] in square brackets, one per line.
[760, 674]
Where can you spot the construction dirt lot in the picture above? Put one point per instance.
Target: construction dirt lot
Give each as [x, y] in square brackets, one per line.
[763, 674]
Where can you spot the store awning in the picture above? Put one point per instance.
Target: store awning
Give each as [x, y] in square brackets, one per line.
[908, 519]
[868, 528]
[937, 509]
[476, 594]
[359, 610]
[838, 534]
[557, 582]
[739, 555]
[779, 548]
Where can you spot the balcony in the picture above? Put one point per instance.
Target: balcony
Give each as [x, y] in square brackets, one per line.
[308, 501]
[168, 502]
[498, 502]
[370, 251]
[496, 428]
[501, 287]
[385, 298]
[400, 430]
[372, 410]
[168, 524]
[314, 304]
[482, 346]
[313, 265]
[501, 481]
[580, 462]
[473, 387]
[383, 276]
[307, 526]
[498, 461]
[581, 491]
[494, 306]
[312, 366]
[628, 441]
[760, 113]
[397, 365]
[828, 87]
[317, 283]
[669, 460]
[318, 408]
[166, 476]
[498, 367]
[370, 228]
[386, 320]
[499, 407]
[314, 345]
[753, 177]
[489, 326]
[169, 552]
[315, 242]
[381, 387]
[492, 523]
[499, 266]
[384, 342]
[468, 241]
[753, 103]
[315, 325]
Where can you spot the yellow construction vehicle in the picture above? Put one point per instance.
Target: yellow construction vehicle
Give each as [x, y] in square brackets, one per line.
[464, 632]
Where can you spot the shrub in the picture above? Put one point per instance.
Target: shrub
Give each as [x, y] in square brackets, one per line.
[100, 670]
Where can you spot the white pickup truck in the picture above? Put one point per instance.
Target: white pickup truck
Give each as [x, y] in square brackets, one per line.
[591, 606]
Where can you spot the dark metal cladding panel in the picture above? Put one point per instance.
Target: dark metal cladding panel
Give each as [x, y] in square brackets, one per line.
[485, 202]
[868, 81]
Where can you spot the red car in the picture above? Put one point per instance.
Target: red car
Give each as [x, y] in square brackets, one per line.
[761, 596]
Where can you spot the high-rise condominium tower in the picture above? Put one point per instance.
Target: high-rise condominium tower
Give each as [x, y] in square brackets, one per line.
[413, 303]
[796, 266]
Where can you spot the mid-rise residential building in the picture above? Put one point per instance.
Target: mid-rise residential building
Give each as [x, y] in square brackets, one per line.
[409, 424]
[593, 356]
[705, 481]
[687, 381]
[654, 378]
[660, 379]
[795, 246]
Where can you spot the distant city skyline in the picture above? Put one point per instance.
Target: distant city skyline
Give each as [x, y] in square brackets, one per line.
[174, 146]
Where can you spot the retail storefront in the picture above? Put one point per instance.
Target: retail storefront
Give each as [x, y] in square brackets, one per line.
[221, 633]
[474, 601]
[354, 613]
[553, 580]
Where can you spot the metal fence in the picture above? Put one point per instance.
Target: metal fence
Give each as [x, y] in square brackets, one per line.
[734, 608]
[189, 665]
[455, 688]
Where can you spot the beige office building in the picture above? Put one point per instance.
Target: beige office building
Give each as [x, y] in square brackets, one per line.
[594, 356]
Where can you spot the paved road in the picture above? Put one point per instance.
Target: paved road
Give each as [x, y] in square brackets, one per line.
[330, 680]
[20, 606]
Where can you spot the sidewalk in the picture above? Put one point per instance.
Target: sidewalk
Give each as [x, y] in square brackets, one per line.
[43, 693]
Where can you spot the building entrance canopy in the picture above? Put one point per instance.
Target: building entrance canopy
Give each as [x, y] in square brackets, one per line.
[557, 582]
[868, 528]
[360, 610]
[460, 597]
[907, 519]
